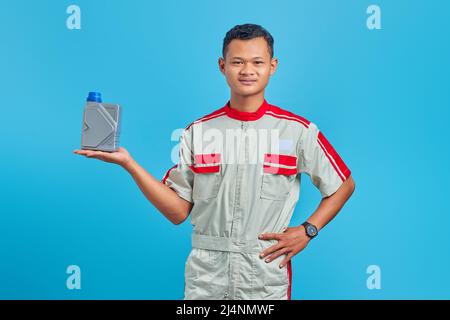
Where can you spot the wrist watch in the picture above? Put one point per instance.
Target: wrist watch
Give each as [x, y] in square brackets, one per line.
[311, 230]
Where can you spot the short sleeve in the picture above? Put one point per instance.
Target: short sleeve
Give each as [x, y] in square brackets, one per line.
[180, 177]
[318, 159]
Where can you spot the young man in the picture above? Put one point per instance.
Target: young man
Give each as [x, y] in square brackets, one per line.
[239, 180]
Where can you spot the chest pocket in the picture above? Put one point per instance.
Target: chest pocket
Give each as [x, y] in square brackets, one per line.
[207, 176]
[279, 172]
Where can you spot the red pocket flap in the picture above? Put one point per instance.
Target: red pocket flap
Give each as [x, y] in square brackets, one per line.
[280, 164]
[206, 163]
[205, 169]
[283, 159]
[207, 158]
[279, 170]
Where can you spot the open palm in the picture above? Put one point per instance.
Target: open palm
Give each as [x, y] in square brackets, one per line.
[120, 157]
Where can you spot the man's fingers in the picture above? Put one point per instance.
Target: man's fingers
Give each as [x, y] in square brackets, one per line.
[269, 236]
[87, 153]
[82, 152]
[277, 254]
[286, 260]
[95, 154]
[90, 154]
[270, 250]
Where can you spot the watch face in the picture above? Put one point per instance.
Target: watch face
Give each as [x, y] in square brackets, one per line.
[312, 231]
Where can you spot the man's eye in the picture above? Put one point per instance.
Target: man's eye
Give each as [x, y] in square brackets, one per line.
[259, 62]
[236, 62]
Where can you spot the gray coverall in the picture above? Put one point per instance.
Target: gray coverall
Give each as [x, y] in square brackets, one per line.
[241, 171]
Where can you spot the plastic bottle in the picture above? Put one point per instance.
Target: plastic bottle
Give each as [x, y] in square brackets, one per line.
[101, 124]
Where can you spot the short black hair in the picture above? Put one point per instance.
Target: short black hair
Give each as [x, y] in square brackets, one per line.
[246, 32]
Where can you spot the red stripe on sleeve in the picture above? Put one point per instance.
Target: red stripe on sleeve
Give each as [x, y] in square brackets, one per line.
[167, 174]
[329, 151]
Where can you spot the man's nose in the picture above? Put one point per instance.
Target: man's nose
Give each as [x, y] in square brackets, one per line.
[247, 69]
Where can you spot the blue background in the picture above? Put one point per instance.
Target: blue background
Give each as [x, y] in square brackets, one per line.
[380, 96]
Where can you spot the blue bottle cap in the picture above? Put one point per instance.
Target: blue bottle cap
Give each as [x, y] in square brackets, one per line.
[94, 96]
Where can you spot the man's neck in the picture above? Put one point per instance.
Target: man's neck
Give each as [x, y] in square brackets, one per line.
[246, 104]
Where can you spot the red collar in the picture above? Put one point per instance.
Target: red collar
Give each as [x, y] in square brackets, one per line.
[247, 116]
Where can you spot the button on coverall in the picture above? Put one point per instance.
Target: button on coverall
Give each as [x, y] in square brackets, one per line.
[241, 171]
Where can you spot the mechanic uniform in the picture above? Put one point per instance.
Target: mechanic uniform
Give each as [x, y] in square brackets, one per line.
[241, 171]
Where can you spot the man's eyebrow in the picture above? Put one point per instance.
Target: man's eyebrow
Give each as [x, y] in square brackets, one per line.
[244, 59]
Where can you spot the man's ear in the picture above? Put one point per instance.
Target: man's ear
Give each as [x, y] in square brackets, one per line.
[273, 65]
[222, 65]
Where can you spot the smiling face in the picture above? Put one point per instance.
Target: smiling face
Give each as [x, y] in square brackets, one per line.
[248, 66]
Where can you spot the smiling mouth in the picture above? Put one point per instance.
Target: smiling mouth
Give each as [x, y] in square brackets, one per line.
[247, 82]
